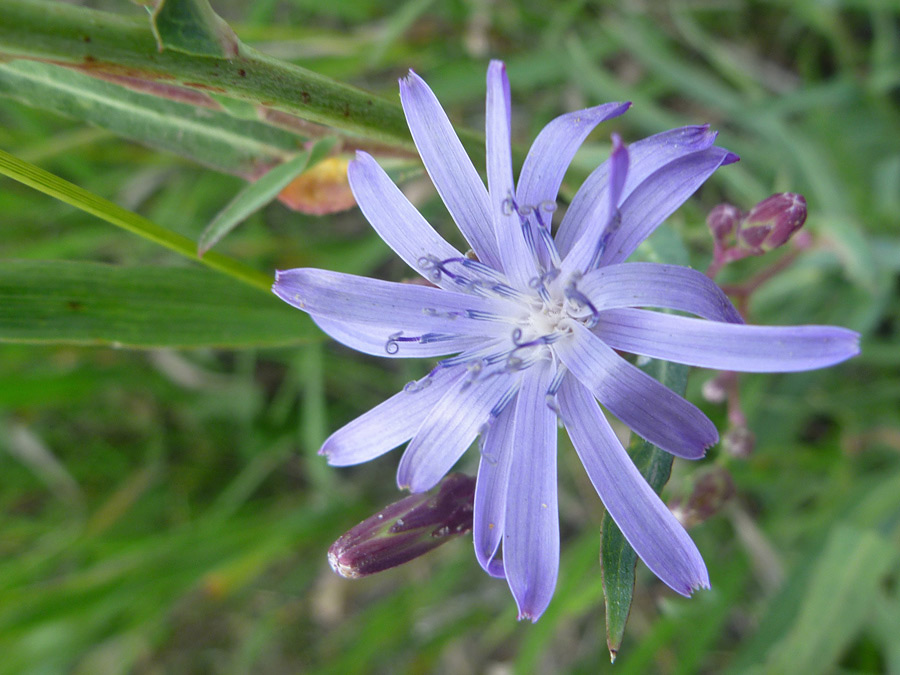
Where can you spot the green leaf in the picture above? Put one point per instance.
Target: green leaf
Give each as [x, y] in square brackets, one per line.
[80, 198]
[192, 27]
[843, 587]
[178, 120]
[106, 43]
[617, 558]
[260, 192]
[97, 304]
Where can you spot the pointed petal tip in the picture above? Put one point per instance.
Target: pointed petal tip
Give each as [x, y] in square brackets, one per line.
[407, 480]
[714, 440]
[333, 458]
[524, 615]
[701, 584]
[688, 589]
[854, 348]
[411, 79]
[697, 580]
[621, 110]
[730, 158]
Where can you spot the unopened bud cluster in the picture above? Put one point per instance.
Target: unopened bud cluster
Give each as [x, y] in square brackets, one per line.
[768, 225]
[405, 529]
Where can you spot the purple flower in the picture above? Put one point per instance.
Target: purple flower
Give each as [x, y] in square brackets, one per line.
[533, 323]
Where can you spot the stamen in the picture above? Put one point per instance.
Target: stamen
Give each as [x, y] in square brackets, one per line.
[503, 402]
[481, 268]
[608, 232]
[544, 230]
[553, 389]
[483, 316]
[537, 283]
[432, 266]
[509, 292]
[392, 346]
[487, 354]
[557, 381]
[573, 294]
[547, 339]
[509, 206]
[419, 385]
[490, 283]
[516, 362]
[454, 314]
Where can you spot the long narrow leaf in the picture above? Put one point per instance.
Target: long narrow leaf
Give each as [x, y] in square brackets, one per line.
[617, 558]
[101, 42]
[80, 198]
[86, 303]
[259, 193]
[179, 120]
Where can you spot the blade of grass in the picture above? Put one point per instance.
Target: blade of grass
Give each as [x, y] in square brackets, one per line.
[52, 185]
[259, 193]
[62, 302]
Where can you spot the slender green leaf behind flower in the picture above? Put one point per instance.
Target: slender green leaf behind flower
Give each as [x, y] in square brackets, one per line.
[534, 322]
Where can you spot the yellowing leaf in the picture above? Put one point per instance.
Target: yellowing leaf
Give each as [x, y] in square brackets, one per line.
[321, 190]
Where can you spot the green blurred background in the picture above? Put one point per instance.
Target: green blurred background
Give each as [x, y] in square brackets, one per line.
[164, 510]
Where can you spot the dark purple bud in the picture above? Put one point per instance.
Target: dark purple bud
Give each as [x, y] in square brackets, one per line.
[773, 221]
[711, 491]
[723, 221]
[406, 529]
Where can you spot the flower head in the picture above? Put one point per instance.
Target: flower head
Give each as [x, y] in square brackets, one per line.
[530, 326]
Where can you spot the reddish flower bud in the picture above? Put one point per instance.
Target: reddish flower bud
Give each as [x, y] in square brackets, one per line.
[723, 221]
[405, 529]
[773, 221]
[711, 491]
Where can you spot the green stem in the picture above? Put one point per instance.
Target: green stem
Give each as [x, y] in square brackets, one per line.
[43, 181]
